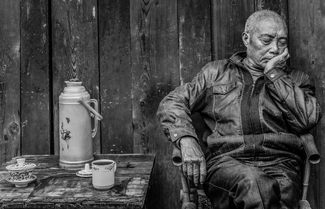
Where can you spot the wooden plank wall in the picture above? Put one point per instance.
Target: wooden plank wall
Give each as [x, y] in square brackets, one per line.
[154, 59]
[10, 129]
[74, 31]
[35, 105]
[115, 76]
[306, 32]
[129, 54]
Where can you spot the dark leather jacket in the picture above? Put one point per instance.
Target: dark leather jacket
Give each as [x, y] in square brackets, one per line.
[244, 118]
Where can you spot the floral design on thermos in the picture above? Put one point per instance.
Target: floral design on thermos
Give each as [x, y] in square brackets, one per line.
[65, 135]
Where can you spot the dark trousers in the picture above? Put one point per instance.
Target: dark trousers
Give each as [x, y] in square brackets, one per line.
[247, 184]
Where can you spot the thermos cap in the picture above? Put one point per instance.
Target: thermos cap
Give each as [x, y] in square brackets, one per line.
[72, 92]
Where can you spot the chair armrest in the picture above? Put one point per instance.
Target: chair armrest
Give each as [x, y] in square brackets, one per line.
[312, 157]
[177, 157]
[308, 142]
[311, 151]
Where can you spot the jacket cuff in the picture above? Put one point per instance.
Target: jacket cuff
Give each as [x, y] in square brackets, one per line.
[177, 134]
[274, 74]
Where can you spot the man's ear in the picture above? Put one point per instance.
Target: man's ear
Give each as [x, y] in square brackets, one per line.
[245, 37]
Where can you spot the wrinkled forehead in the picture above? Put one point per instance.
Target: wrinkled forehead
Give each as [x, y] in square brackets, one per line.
[270, 25]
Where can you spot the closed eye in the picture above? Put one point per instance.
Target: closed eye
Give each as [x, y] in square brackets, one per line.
[282, 42]
[266, 41]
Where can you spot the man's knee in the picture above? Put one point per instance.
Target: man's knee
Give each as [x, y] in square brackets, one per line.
[256, 189]
[255, 180]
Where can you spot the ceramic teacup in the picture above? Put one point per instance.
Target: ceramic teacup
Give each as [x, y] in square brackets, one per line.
[103, 174]
[21, 171]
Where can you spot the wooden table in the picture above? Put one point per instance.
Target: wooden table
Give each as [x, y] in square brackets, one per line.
[59, 188]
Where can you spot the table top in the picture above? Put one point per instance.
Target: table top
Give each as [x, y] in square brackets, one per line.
[59, 188]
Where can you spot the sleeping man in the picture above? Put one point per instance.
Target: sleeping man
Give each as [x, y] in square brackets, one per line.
[255, 108]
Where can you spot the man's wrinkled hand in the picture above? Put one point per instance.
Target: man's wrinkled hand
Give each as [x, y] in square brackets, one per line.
[277, 61]
[194, 165]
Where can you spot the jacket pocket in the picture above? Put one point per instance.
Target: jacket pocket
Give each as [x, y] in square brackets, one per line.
[223, 89]
[226, 107]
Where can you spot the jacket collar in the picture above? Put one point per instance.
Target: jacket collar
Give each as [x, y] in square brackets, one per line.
[238, 57]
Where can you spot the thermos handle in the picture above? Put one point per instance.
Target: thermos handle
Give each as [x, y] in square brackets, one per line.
[97, 116]
[94, 131]
[114, 167]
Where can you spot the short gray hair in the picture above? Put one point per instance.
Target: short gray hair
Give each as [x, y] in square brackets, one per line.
[260, 15]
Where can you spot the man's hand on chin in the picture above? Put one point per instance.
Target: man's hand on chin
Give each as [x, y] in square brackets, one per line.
[194, 165]
[277, 61]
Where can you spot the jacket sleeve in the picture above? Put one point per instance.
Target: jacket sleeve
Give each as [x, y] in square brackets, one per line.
[294, 94]
[175, 109]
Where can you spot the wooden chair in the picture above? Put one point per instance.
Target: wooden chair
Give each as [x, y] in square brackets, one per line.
[194, 198]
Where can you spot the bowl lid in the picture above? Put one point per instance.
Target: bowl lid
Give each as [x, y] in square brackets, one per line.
[20, 165]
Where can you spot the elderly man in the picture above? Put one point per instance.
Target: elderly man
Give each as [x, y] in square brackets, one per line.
[255, 107]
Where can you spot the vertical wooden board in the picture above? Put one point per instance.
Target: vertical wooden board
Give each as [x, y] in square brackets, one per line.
[35, 77]
[154, 62]
[74, 52]
[154, 55]
[307, 49]
[194, 30]
[165, 75]
[194, 37]
[142, 14]
[9, 79]
[279, 6]
[228, 24]
[115, 76]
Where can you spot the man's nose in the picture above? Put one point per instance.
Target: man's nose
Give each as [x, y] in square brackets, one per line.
[274, 47]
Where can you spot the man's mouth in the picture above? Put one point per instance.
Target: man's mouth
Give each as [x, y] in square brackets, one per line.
[266, 59]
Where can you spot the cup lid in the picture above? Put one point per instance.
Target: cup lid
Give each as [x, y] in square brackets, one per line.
[20, 165]
[87, 172]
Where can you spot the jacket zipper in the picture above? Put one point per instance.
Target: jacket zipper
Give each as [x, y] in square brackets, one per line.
[253, 88]
[250, 112]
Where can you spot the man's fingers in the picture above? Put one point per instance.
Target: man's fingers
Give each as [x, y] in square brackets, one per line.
[280, 61]
[190, 171]
[203, 171]
[285, 55]
[192, 156]
[196, 173]
[184, 166]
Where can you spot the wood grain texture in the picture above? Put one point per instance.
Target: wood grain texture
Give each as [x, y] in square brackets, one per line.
[228, 23]
[154, 67]
[279, 6]
[194, 37]
[35, 77]
[58, 188]
[9, 79]
[74, 52]
[142, 23]
[115, 76]
[194, 30]
[306, 33]
[154, 45]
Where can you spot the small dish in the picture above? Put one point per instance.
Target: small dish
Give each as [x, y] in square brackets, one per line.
[87, 172]
[21, 183]
[84, 174]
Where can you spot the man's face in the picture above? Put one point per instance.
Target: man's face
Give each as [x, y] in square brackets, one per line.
[267, 40]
